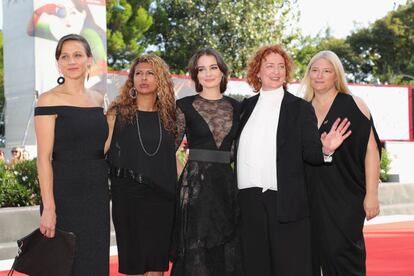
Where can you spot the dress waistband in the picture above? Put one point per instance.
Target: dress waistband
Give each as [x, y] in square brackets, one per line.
[116, 172]
[214, 156]
[77, 155]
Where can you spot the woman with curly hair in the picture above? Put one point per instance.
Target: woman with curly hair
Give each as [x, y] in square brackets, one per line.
[143, 167]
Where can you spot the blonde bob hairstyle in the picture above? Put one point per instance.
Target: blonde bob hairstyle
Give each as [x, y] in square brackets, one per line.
[340, 83]
[125, 106]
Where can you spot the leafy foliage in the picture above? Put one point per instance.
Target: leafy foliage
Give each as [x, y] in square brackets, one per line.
[234, 28]
[380, 53]
[125, 31]
[310, 46]
[385, 165]
[386, 48]
[19, 185]
[238, 97]
[25, 173]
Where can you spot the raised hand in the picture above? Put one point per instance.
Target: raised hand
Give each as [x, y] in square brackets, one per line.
[336, 136]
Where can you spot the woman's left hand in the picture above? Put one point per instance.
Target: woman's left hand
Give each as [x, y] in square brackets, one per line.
[371, 206]
[336, 136]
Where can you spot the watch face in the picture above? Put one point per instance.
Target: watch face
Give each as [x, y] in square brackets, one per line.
[327, 158]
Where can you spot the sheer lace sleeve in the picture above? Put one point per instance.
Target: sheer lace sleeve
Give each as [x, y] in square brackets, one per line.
[181, 126]
[232, 154]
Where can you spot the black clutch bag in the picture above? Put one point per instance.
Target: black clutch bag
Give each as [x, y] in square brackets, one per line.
[41, 256]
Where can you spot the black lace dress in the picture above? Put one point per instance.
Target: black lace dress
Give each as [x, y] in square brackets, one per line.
[207, 210]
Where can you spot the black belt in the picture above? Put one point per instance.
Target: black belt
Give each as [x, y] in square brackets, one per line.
[77, 156]
[116, 172]
[214, 156]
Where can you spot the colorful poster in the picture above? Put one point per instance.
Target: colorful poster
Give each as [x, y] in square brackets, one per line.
[51, 20]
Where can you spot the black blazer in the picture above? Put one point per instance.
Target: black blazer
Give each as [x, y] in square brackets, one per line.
[297, 142]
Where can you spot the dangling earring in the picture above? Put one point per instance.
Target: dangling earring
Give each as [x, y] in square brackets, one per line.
[61, 80]
[133, 93]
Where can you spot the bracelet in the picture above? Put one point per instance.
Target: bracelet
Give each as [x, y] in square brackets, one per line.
[328, 155]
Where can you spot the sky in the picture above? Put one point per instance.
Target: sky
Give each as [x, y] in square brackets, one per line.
[340, 15]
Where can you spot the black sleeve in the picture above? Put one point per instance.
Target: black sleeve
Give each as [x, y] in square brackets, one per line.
[181, 125]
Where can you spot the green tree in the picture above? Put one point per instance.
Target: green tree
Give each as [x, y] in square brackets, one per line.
[387, 47]
[353, 63]
[125, 31]
[234, 28]
[302, 52]
[309, 46]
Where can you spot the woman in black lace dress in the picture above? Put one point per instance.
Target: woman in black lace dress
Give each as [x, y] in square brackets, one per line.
[207, 211]
[71, 131]
[142, 167]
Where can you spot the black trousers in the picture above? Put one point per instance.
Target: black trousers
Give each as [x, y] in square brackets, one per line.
[269, 247]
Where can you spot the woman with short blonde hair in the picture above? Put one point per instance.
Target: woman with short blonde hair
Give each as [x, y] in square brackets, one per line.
[340, 82]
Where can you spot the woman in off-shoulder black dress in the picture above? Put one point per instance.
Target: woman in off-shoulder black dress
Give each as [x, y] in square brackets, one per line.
[205, 237]
[71, 131]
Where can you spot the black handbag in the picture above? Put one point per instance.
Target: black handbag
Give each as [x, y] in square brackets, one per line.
[38, 255]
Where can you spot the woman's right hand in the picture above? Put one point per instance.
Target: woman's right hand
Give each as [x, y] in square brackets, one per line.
[48, 223]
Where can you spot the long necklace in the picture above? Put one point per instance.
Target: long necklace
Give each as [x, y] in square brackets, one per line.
[140, 139]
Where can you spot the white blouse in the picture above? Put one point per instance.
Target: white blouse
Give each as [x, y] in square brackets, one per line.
[256, 154]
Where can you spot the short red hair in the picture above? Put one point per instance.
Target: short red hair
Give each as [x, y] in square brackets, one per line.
[253, 67]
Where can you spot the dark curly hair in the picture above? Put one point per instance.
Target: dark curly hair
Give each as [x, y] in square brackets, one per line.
[125, 107]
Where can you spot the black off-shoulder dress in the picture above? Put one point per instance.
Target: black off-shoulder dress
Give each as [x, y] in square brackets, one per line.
[80, 184]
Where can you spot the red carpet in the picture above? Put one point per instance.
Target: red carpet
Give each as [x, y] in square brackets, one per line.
[114, 268]
[390, 250]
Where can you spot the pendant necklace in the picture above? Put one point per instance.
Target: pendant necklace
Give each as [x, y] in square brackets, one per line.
[140, 139]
